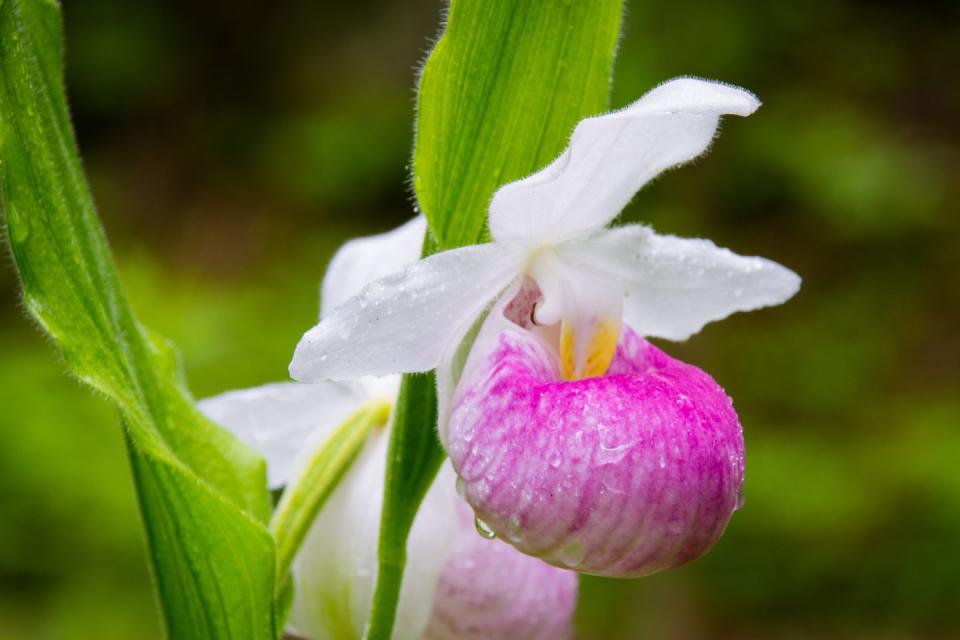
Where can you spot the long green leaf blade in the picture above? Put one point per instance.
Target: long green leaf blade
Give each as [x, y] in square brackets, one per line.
[498, 98]
[202, 493]
[213, 564]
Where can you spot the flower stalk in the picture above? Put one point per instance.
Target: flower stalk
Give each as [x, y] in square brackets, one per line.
[410, 470]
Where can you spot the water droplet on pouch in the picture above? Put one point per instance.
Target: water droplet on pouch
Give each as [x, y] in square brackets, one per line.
[555, 459]
[572, 554]
[461, 487]
[514, 529]
[740, 501]
[483, 528]
[613, 455]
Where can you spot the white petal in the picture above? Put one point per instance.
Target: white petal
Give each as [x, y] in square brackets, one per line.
[406, 321]
[278, 420]
[363, 260]
[610, 157]
[455, 365]
[677, 285]
[335, 571]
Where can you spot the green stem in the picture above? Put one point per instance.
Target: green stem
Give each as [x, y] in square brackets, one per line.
[303, 498]
[385, 598]
[413, 459]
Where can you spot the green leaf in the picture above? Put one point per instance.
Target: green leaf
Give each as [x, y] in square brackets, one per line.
[202, 494]
[498, 98]
[213, 564]
[306, 495]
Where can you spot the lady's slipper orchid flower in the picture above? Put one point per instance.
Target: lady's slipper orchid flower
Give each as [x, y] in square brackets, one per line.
[457, 583]
[577, 440]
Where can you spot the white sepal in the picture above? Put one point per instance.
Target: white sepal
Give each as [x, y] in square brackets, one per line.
[675, 286]
[610, 157]
[279, 420]
[406, 321]
[363, 260]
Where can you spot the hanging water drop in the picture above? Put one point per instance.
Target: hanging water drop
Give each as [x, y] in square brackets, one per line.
[740, 500]
[483, 528]
[461, 487]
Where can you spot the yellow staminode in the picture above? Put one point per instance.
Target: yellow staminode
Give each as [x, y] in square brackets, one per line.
[594, 357]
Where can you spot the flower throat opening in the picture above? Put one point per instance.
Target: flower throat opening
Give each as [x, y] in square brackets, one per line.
[584, 343]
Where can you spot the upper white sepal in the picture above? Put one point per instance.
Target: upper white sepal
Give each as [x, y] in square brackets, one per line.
[610, 157]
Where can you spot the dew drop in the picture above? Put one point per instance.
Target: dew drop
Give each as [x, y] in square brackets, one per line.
[461, 487]
[613, 455]
[19, 225]
[514, 529]
[740, 501]
[556, 459]
[572, 554]
[483, 528]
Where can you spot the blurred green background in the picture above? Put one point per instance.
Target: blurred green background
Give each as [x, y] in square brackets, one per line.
[233, 146]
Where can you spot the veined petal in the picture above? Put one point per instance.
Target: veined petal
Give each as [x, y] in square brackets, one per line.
[362, 260]
[335, 571]
[406, 321]
[676, 285]
[281, 420]
[610, 157]
[489, 590]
